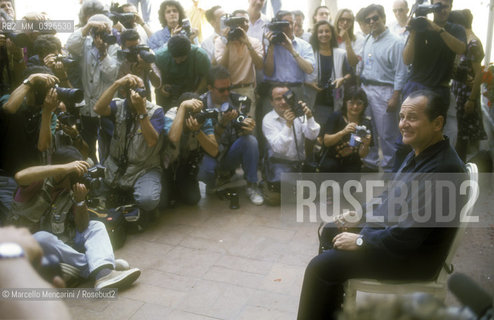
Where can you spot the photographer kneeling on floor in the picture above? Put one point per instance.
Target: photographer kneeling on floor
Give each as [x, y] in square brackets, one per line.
[133, 163]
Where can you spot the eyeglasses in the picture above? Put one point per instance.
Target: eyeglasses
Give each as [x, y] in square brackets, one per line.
[221, 90]
[398, 10]
[374, 18]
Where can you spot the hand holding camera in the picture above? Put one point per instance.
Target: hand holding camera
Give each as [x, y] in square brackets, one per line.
[43, 79]
[192, 124]
[129, 81]
[78, 167]
[51, 101]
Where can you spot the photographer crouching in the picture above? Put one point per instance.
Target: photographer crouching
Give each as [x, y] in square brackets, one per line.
[190, 133]
[133, 163]
[51, 201]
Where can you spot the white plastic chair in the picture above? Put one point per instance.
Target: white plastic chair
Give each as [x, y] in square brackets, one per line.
[437, 287]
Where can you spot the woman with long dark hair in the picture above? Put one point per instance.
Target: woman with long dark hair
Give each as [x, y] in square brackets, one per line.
[345, 141]
[332, 70]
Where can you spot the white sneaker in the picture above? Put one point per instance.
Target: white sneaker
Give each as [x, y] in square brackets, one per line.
[121, 265]
[118, 279]
[254, 195]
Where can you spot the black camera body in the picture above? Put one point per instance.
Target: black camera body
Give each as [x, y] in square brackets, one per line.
[70, 117]
[127, 19]
[141, 50]
[203, 115]
[186, 28]
[420, 11]
[107, 38]
[276, 27]
[93, 178]
[356, 138]
[291, 100]
[235, 24]
[242, 105]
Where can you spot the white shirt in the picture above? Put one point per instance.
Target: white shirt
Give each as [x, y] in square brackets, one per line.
[208, 45]
[281, 138]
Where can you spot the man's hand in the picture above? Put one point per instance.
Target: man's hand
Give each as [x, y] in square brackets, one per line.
[80, 192]
[140, 67]
[101, 46]
[306, 109]
[129, 81]
[138, 19]
[393, 102]
[70, 131]
[50, 103]
[228, 117]
[289, 116]
[338, 82]
[79, 167]
[287, 44]
[47, 80]
[192, 105]
[97, 25]
[248, 126]
[23, 237]
[343, 150]
[138, 102]
[51, 62]
[192, 124]
[345, 241]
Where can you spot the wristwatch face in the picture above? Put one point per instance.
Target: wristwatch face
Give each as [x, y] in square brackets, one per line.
[142, 116]
[26, 82]
[359, 242]
[10, 250]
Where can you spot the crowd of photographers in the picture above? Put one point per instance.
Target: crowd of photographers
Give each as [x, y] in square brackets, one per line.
[254, 94]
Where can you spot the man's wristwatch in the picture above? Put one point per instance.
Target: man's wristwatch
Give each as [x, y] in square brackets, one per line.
[11, 250]
[359, 241]
[28, 83]
[142, 116]
[441, 30]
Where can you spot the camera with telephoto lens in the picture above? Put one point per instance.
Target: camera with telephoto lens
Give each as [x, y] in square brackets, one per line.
[203, 115]
[356, 138]
[276, 27]
[69, 96]
[107, 38]
[420, 11]
[235, 24]
[291, 100]
[141, 50]
[93, 178]
[186, 28]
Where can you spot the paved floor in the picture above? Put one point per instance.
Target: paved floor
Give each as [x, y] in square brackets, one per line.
[211, 262]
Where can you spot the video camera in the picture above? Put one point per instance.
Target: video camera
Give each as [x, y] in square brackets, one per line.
[356, 138]
[141, 50]
[292, 101]
[420, 11]
[242, 105]
[276, 27]
[107, 38]
[235, 24]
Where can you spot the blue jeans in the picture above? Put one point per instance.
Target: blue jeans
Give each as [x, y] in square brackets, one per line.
[244, 151]
[92, 248]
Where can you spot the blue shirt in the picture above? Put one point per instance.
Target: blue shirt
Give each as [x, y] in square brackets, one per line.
[286, 68]
[159, 38]
[382, 59]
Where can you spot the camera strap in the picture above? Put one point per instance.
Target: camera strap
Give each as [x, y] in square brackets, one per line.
[296, 143]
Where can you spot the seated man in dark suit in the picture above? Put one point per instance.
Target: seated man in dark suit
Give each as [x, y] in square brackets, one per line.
[407, 250]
